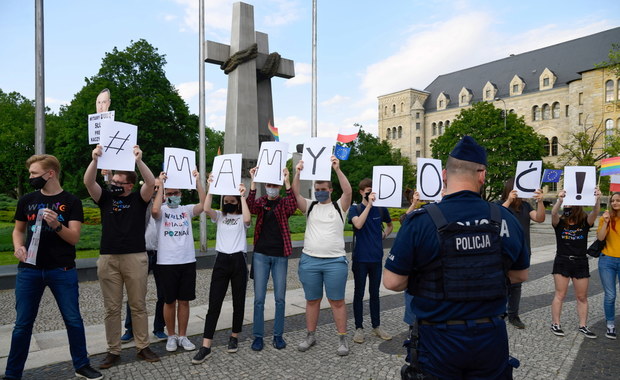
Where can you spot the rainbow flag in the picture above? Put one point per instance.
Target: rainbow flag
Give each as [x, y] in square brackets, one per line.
[347, 134]
[610, 166]
[274, 131]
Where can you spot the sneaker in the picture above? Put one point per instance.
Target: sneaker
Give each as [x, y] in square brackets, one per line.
[516, 321]
[358, 337]
[201, 355]
[172, 344]
[611, 333]
[586, 331]
[233, 344]
[381, 333]
[343, 347]
[186, 344]
[87, 372]
[279, 343]
[127, 336]
[148, 355]
[257, 344]
[557, 329]
[308, 342]
[160, 335]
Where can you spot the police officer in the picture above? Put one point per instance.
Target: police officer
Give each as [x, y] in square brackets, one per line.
[457, 258]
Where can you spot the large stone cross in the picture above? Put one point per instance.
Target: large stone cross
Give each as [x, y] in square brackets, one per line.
[249, 104]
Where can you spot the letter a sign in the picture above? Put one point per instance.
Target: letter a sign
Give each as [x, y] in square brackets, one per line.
[387, 183]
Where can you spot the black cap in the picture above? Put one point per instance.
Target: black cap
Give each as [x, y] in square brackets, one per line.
[469, 150]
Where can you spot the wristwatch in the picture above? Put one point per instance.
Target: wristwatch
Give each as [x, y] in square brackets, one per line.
[58, 228]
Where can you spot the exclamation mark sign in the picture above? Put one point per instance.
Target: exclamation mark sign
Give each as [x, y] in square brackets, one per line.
[580, 178]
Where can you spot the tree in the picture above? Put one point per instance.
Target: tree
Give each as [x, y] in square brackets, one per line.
[16, 140]
[613, 62]
[505, 145]
[368, 151]
[141, 95]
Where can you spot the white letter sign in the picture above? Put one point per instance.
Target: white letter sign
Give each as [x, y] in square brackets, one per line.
[387, 183]
[271, 161]
[118, 140]
[579, 183]
[317, 159]
[226, 174]
[429, 181]
[527, 178]
[178, 165]
[94, 125]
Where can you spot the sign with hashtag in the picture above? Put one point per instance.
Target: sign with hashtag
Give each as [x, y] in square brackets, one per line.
[118, 140]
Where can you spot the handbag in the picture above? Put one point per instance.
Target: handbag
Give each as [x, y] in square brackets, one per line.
[595, 248]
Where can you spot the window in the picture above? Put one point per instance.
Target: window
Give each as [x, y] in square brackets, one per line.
[546, 113]
[417, 126]
[554, 146]
[393, 108]
[463, 98]
[547, 146]
[417, 115]
[609, 91]
[535, 113]
[487, 94]
[515, 88]
[434, 129]
[566, 112]
[387, 135]
[581, 98]
[553, 186]
[417, 153]
[402, 107]
[580, 118]
[609, 128]
[441, 128]
[555, 109]
[441, 104]
[546, 82]
[385, 112]
[417, 140]
[447, 123]
[400, 131]
[394, 133]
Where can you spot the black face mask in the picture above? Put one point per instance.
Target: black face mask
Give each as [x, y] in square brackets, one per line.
[116, 190]
[366, 196]
[229, 208]
[37, 182]
[567, 211]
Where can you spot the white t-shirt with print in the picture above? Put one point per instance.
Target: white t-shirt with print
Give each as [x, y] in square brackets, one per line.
[231, 233]
[175, 236]
[324, 235]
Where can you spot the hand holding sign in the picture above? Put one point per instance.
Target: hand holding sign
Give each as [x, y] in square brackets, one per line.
[429, 179]
[117, 142]
[178, 165]
[226, 174]
[527, 178]
[387, 183]
[580, 185]
[317, 153]
[271, 161]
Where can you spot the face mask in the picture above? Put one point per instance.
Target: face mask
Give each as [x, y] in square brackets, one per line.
[321, 196]
[366, 196]
[116, 190]
[173, 201]
[37, 182]
[229, 208]
[272, 192]
[567, 212]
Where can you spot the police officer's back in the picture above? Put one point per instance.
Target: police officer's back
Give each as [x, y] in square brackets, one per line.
[456, 257]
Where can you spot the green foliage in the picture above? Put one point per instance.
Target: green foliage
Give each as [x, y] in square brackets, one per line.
[584, 148]
[141, 95]
[7, 203]
[505, 146]
[613, 62]
[368, 151]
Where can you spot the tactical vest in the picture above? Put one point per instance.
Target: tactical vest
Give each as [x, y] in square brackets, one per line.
[470, 265]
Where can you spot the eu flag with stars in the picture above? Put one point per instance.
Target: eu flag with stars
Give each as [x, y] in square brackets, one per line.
[552, 175]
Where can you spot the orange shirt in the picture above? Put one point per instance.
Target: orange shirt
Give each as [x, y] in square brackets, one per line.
[612, 240]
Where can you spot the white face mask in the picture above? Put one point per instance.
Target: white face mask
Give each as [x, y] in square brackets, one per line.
[272, 192]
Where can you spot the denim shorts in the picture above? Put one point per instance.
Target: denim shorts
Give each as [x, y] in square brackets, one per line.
[316, 271]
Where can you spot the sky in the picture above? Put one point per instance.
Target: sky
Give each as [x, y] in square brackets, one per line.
[365, 48]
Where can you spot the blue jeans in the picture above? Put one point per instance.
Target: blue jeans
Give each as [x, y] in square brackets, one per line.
[262, 266]
[360, 272]
[29, 286]
[609, 270]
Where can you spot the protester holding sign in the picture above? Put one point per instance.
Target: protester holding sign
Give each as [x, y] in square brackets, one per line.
[176, 258]
[571, 263]
[524, 213]
[609, 261]
[54, 264]
[367, 258]
[272, 248]
[230, 266]
[324, 260]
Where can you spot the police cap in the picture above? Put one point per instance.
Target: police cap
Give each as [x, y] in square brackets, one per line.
[469, 150]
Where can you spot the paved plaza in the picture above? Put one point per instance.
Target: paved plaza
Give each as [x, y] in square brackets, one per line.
[542, 354]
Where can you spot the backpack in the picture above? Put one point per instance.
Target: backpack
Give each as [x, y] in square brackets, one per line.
[335, 203]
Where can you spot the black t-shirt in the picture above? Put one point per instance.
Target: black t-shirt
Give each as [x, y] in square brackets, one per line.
[270, 241]
[53, 251]
[122, 223]
[571, 239]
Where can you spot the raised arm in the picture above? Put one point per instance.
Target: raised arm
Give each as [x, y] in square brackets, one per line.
[345, 186]
[538, 215]
[301, 201]
[146, 191]
[245, 210]
[201, 194]
[555, 216]
[358, 221]
[90, 175]
[253, 206]
[209, 199]
[603, 227]
[159, 197]
[596, 209]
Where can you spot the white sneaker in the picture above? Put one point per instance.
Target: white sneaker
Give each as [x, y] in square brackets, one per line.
[358, 337]
[186, 344]
[171, 344]
[381, 333]
[343, 346]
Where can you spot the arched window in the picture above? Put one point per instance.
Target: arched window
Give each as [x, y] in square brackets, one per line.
[447, 124]
[402, 107]
[547, 146]
[555, 110]
[535, 113]
[609, 91]
[400, 131]
[394, 133]
[434, 129]
[385, 111]
[393, 108]
[546, 112]
[387, 135]
[609, 127]
[554, 146]
[441, 128]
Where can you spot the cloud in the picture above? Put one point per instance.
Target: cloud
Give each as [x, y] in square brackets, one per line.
[54, 104]
[293, 130]
[285, 12]
[336, 99]
[188, 90]
[303, 75]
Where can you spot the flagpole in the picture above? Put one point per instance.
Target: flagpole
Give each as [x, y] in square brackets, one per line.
[201, 119]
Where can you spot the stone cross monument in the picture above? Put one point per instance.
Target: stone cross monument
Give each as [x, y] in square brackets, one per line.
[249, 104]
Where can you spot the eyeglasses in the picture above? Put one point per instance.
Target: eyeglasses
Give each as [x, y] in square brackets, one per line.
[171, 194]
[119, 183]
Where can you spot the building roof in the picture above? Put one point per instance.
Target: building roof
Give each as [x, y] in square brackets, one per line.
[566, 60]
